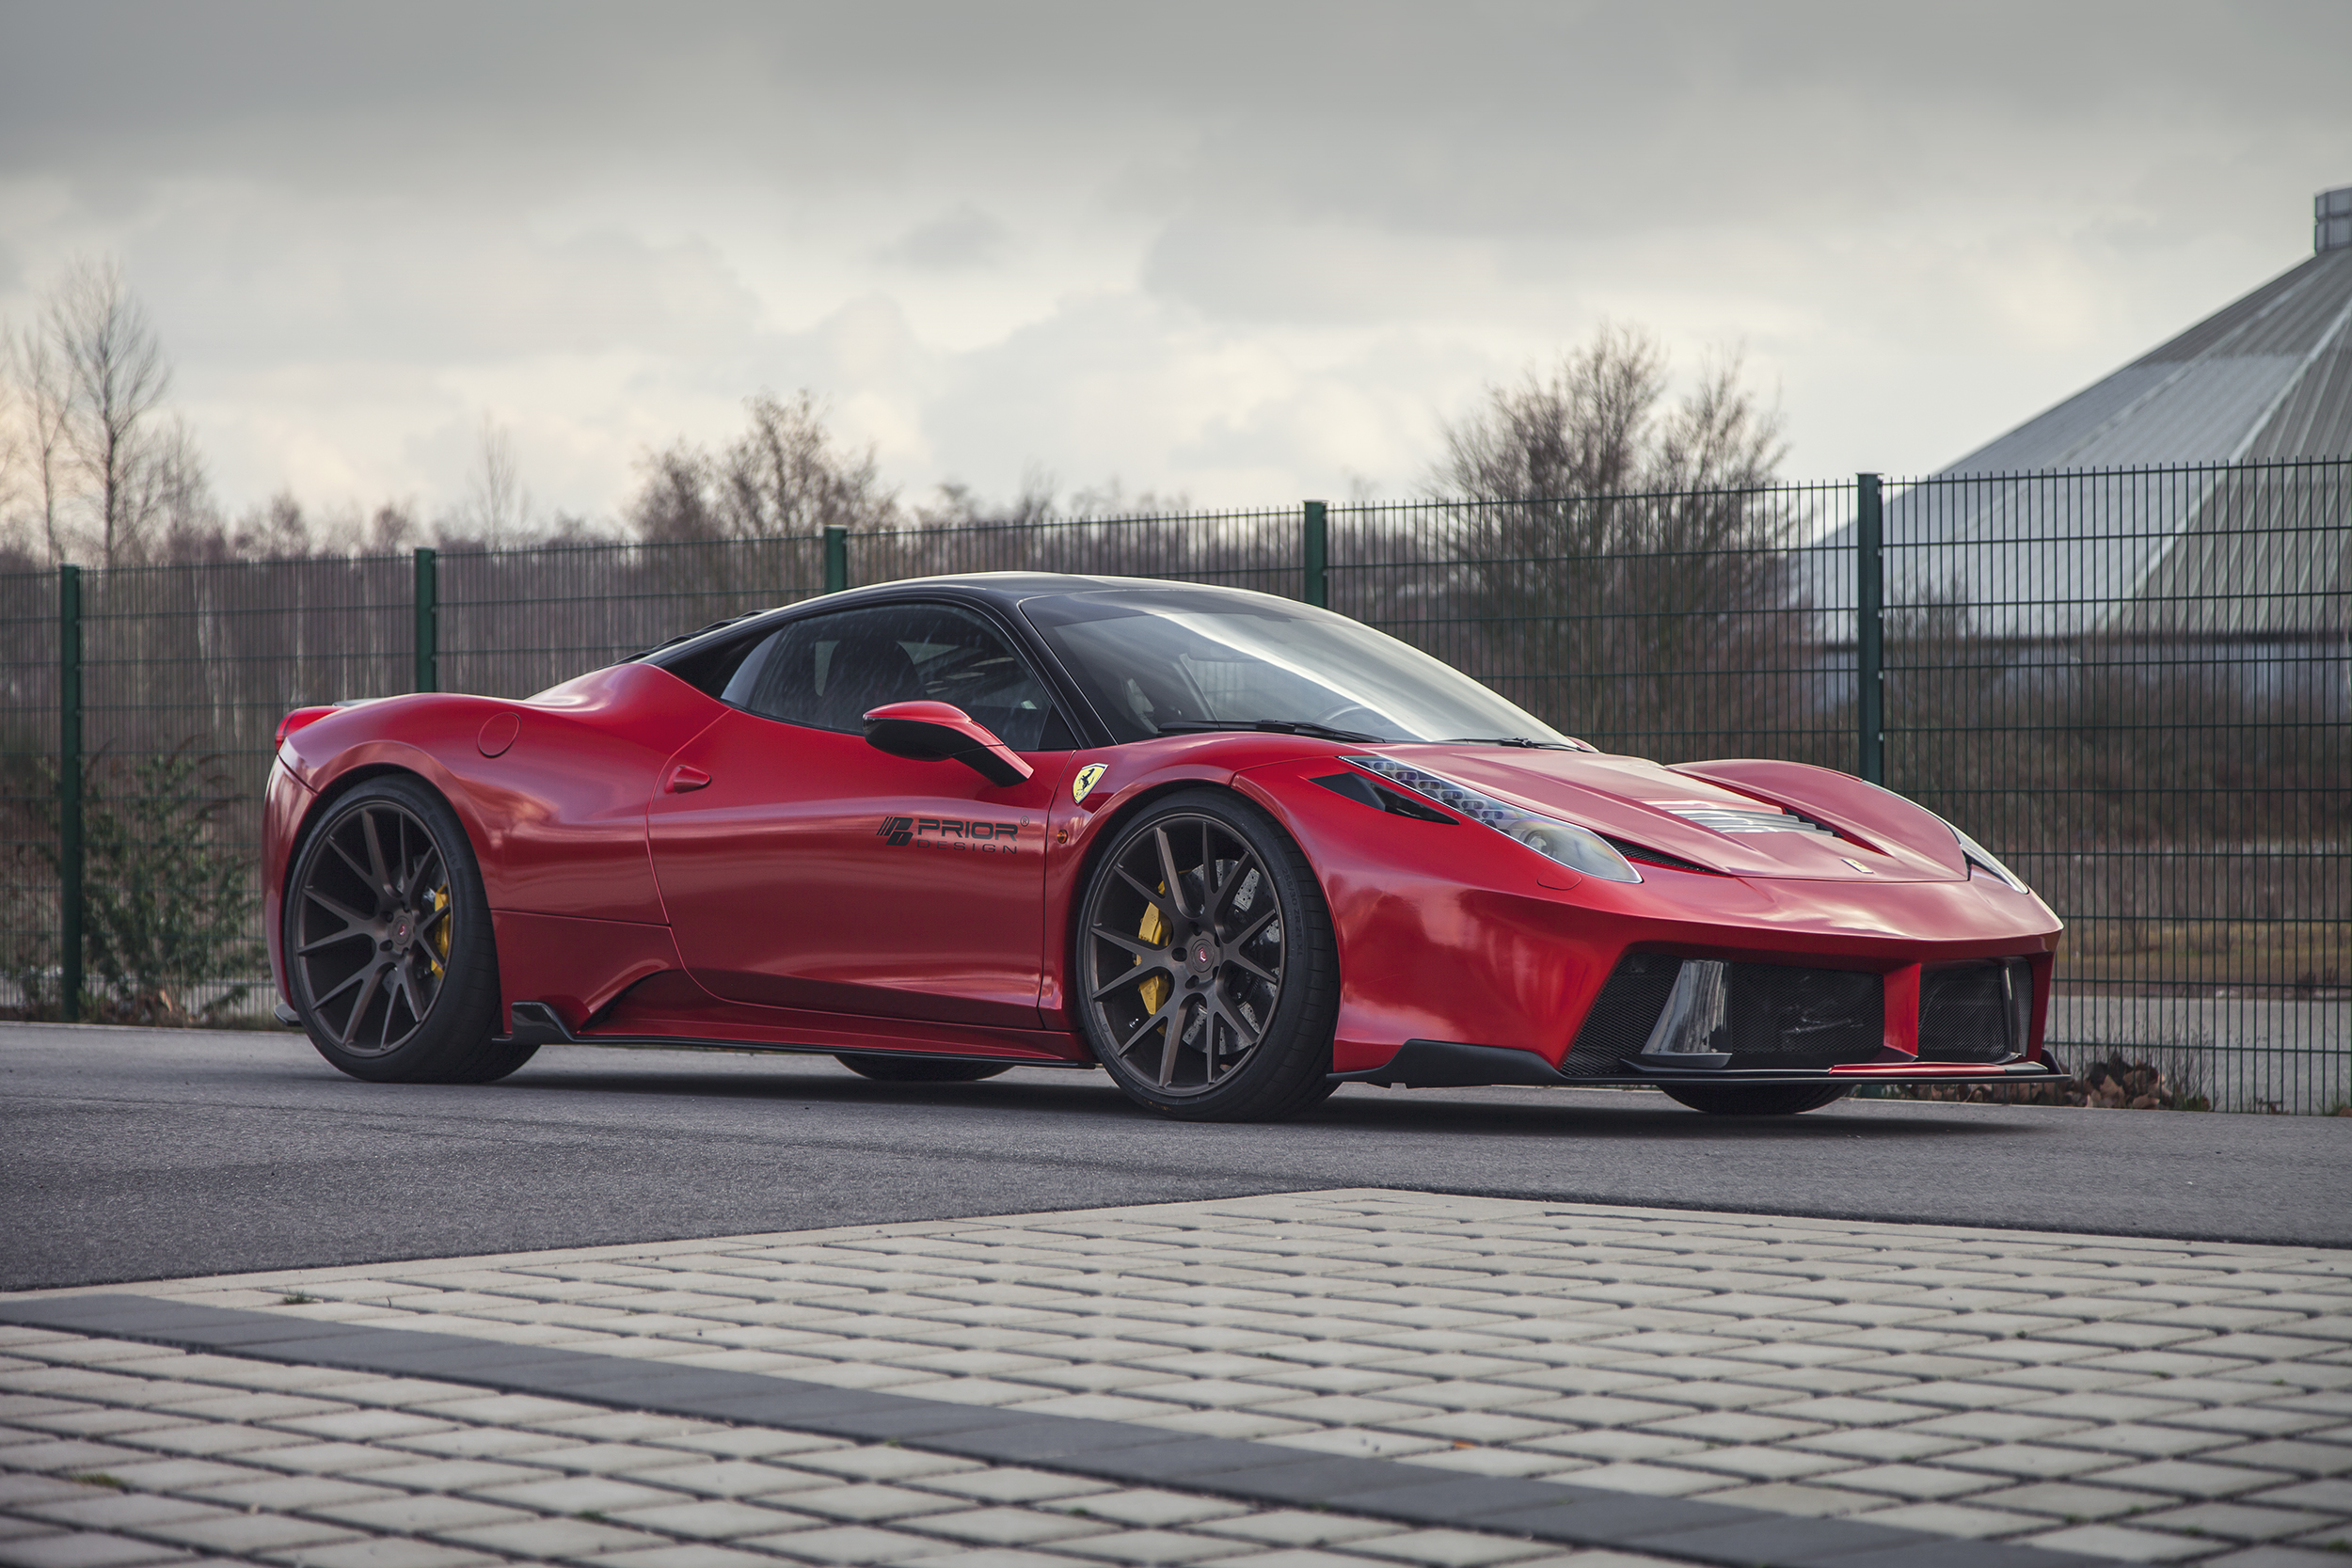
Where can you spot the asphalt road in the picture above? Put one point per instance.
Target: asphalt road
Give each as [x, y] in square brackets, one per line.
[142, 1154]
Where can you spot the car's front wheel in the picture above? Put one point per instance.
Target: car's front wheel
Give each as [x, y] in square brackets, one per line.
[1756, 1100]
[1207, 975]
[390, 955]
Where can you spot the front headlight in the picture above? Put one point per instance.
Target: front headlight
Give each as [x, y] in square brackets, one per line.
[1579, 848]
[1979, 856]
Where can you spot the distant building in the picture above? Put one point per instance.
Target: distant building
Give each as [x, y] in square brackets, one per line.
[2270, 377]
[2126, 510]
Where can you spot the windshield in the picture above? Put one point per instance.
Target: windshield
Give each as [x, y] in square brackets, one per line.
[1159, 662]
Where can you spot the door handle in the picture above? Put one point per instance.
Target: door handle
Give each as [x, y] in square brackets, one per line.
[683, 779]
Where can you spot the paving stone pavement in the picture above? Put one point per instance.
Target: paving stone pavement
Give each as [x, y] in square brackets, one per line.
[133, 1455]
[2137, 1400]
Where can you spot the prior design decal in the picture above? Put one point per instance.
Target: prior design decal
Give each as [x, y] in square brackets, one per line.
[973, 836]
[1089, 776]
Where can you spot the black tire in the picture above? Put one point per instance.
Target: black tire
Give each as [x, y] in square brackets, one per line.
[1204, 1002]
[1756, 1100]
[390, 955]
[917, 1070]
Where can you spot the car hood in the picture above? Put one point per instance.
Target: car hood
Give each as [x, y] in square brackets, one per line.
[1644, 803]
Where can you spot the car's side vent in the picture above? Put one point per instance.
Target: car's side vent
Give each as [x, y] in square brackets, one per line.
[1364, 791]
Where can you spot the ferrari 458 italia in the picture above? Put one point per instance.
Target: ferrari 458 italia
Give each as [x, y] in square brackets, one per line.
[1234, 849]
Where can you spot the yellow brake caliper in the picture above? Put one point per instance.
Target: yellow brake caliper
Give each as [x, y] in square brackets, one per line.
[1154, 931]
[439, 941]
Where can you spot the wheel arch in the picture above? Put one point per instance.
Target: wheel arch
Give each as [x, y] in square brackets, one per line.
[1103, 829]
[1269, 1084]
[389, 762]
[342, 784]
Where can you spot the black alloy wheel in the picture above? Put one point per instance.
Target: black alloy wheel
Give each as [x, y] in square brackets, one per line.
[1756, 1100]
[1208, 980]
[917, 1070]
[389, 951]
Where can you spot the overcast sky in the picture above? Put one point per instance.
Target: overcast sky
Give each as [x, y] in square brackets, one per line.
[1245, 252]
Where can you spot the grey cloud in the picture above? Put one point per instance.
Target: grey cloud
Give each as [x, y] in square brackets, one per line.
[399, 283]
[956, 241]
[885, 203]
[1272, 271]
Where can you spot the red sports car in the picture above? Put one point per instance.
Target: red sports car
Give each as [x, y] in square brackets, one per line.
[1234, 849]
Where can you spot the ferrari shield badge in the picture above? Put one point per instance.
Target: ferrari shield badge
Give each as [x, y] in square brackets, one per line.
[1089, 776]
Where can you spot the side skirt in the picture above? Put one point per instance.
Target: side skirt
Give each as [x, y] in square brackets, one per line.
[538, 1023]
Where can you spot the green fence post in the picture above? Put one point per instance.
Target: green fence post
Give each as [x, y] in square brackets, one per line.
[836, 560]
[428, 634]
[1869, 598]
[70, 792]
[1315, 553]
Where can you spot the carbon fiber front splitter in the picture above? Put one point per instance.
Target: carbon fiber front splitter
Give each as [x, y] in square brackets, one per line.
[1450, 1063]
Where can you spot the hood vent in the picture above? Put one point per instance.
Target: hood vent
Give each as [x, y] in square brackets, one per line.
[1747, 819]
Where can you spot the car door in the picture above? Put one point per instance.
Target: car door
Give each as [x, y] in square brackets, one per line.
[801, 868]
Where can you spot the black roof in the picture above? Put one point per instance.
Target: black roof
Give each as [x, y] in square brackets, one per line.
[1000, 591]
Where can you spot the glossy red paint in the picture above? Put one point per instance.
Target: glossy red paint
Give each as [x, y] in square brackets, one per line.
[663, 865]
[286, 802]
[576, 966]
[816, 871]
[300, 717]
[1450, 933]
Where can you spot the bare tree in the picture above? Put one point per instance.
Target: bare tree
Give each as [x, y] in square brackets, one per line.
[957, 505]
[167, 489]
[392, 530]
[1595, 427]
[674, 504]
[1600, 529]
[783, 477]
[1585, 430]
[115, 375]
[497, 507]
[44, 403]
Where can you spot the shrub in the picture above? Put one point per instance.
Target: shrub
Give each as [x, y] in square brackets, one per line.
[2110, 1081]
[168, 900]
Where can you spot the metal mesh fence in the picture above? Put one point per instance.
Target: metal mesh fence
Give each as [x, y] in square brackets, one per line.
[1676, 626]
[28, 783]
[2136, 685]
[184, 672]
[1238, 549]
[518, 622]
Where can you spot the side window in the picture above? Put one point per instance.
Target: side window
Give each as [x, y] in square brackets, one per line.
[827, 671]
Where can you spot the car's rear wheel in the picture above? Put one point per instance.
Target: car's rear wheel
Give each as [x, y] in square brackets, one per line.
[917, 1070]
[1207, 976]
[1756, 1100]
[390, 955]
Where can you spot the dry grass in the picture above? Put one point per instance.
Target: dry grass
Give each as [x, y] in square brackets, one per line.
[2289, 961]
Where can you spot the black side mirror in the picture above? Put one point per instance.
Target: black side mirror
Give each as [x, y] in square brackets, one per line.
[934, 732]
